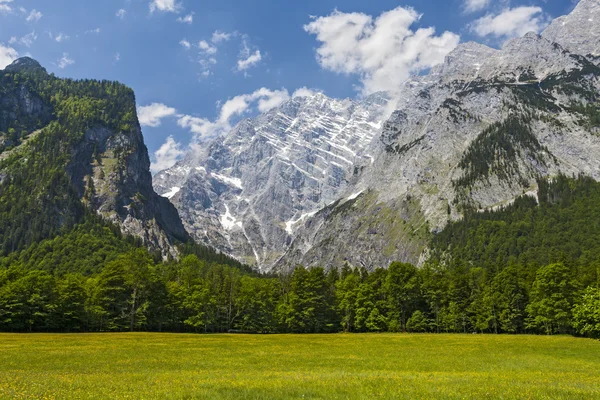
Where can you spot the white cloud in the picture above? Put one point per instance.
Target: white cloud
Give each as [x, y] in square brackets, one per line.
[472, 6]
[207, 48]
[26, 40]
[188, 19]
[121, 13]
[264, 100]
[167, 155]
[152, 114]
[164, 5]
[65, 61]
[7, 55]
[117, 57]
[61, 37]
[4, 7]
[245, 63]
[218, 37]
[383, 51]
[511, 22]
[185, 44]
[304, 92]
[246, 58]
[34, 16]
[206, 64]
[93, 31]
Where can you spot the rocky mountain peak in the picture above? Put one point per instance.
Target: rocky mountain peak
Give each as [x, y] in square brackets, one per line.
[579, 32]
[246, 192]
[25, 64]
[463, 62]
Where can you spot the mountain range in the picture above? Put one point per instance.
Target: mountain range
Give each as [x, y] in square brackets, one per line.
[321, 181]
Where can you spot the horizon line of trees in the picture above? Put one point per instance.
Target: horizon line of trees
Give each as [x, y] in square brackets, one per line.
[133, 293]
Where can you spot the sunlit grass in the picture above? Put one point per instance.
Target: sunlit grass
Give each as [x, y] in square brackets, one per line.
[158, 366]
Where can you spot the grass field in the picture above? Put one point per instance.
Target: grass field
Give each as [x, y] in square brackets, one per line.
[158, 366]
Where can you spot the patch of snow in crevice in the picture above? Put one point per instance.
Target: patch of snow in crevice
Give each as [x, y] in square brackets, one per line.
[237, 182]
[289, 225]
[354, 195]
[174, 190]
[228, 221]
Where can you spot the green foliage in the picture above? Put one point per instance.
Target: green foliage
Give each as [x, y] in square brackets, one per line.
[38, 199]
[417, 322]
[551, 299]
[496, 151]
[586, 314]
[590, 113]
[563, 227]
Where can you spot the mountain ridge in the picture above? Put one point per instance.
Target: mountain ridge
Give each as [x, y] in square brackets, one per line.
[426, 163]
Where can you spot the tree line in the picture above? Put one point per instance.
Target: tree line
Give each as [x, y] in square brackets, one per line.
[135, 293]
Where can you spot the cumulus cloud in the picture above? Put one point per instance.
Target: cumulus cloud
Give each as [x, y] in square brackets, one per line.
[65, 61]
[171, 151]
[34, 16]
[121, 13]
[153, 114]
[164, 5]
[167, 155]
[471, 6]
[305, 92]
[4, 7]
[93, 31]
[511, 22]
[383, 51]
[206, 47]
[263, 99]
[185, 44]
[247, 58]
[7, 55]
[218, 37]
[188, 19]
[26, 40]
[245, 63]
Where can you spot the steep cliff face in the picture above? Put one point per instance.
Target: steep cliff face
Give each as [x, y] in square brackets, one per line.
[246, 193]
[84, 138]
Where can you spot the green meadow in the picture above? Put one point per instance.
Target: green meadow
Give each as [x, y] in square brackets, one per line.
[337, 366]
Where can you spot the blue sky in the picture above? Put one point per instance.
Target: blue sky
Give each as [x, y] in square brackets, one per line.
[199, 66]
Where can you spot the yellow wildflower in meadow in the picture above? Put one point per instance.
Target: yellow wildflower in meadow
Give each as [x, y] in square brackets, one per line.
[341, 366]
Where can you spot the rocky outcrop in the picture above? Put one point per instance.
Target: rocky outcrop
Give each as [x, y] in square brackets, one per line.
[579, 32]
[119, 168]
[105, 159]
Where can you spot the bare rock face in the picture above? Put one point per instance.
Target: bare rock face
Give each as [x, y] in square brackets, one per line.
[246, 193]
[579, 32]
[118, 165]
[326, 182]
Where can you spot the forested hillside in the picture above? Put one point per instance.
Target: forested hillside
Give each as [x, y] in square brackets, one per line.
[75, 190]
[527, 268]
[70, 149]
